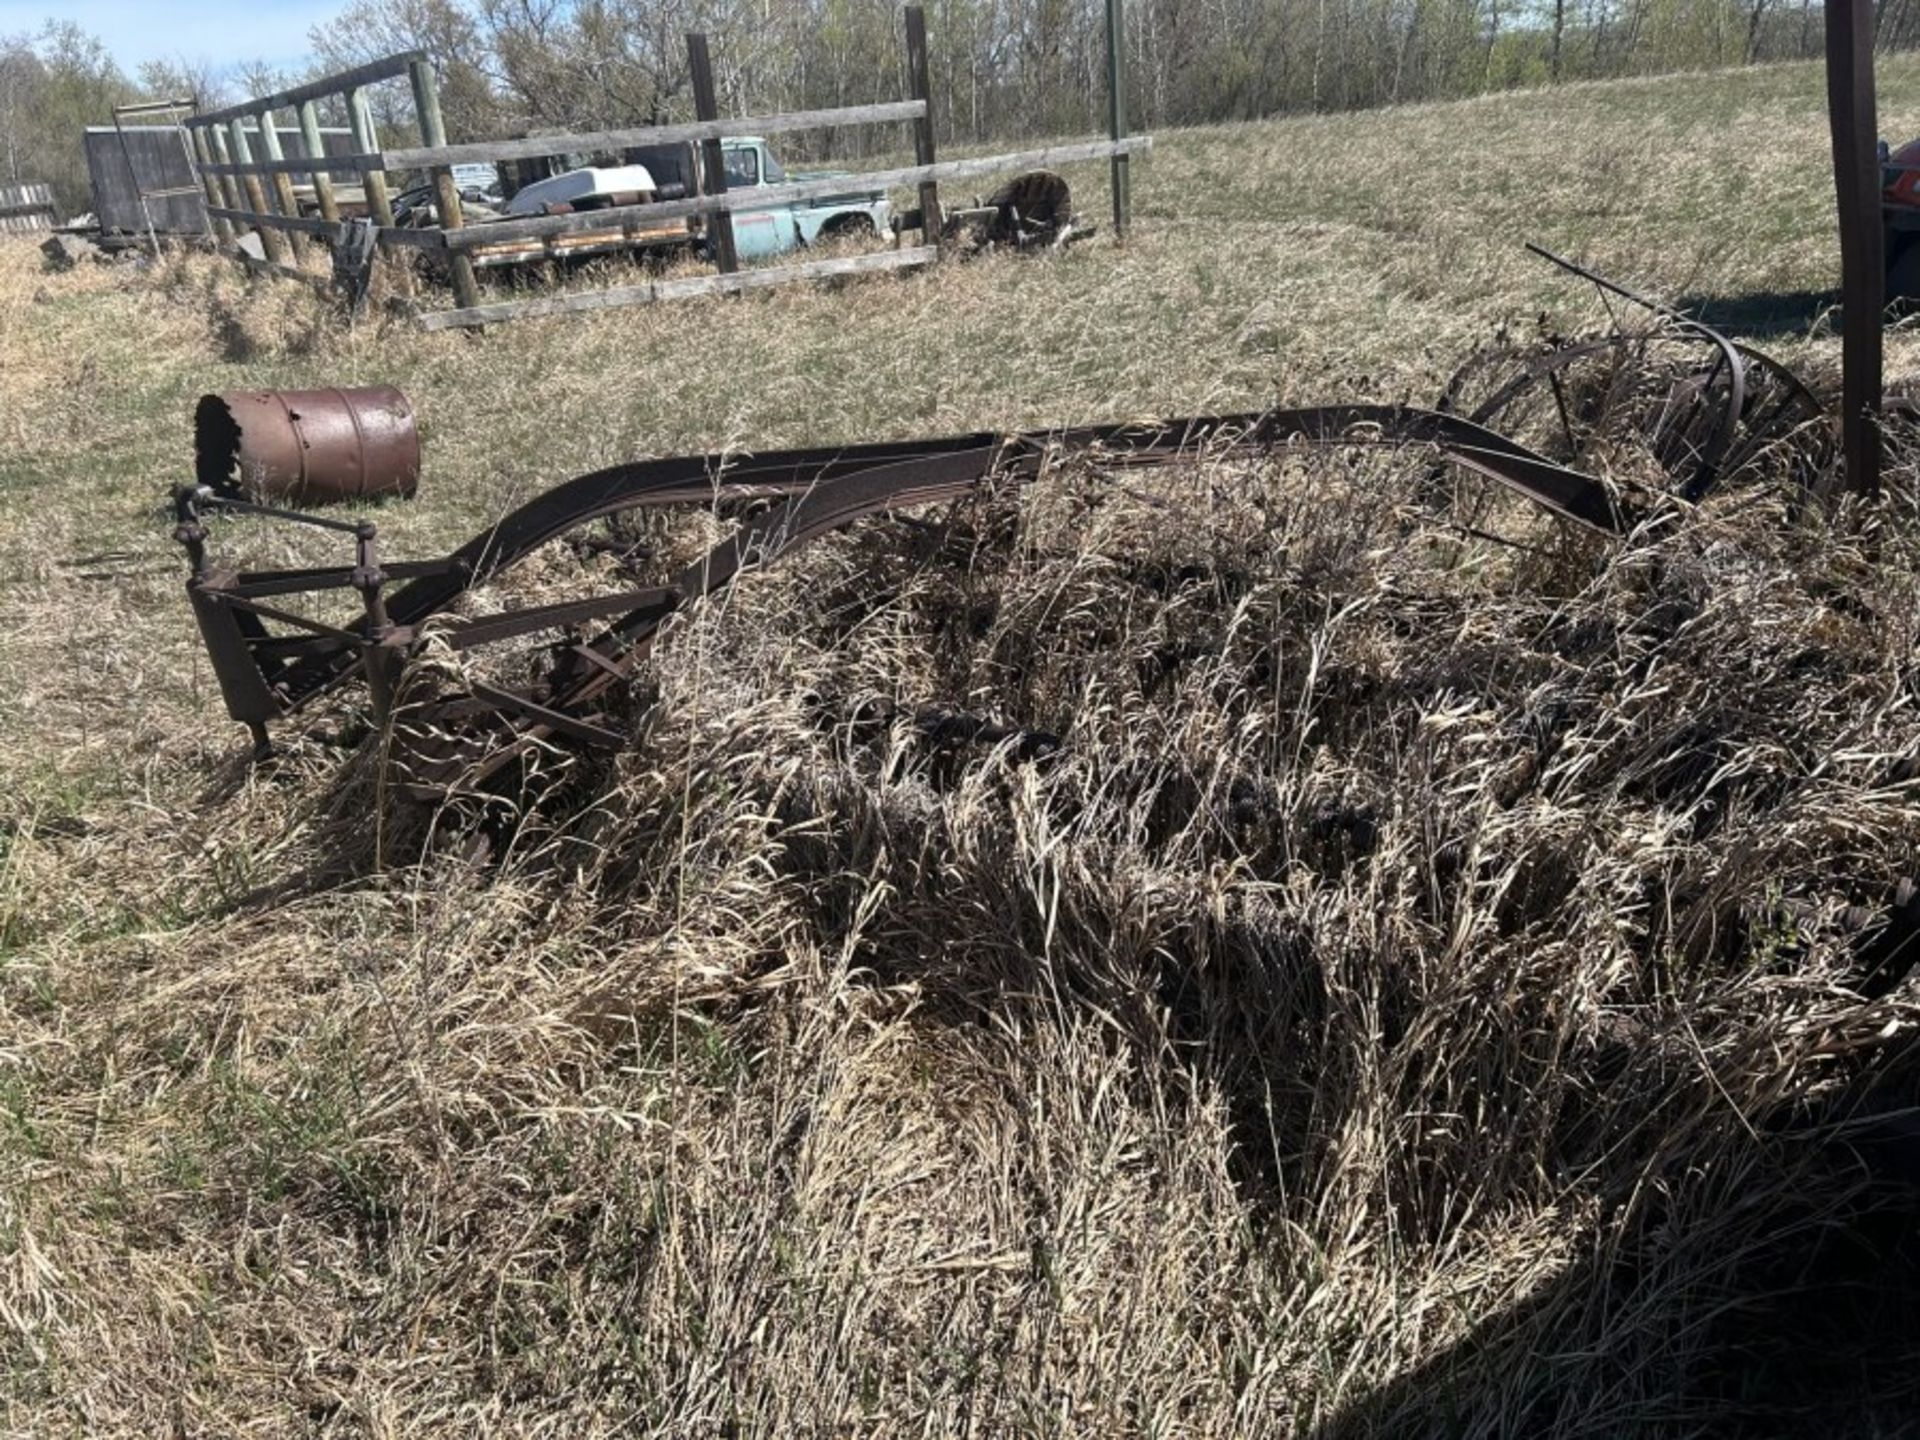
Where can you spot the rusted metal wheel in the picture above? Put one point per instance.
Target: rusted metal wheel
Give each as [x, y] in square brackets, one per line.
[1678, 408]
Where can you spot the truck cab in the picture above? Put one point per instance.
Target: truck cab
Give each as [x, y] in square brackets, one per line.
[796, 224]
[780, 227]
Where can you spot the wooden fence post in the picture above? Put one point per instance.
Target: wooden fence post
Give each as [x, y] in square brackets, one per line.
[433, 134]
[706, 106]
[281, 183]
[216, 196]
[367, 141]
[1856, 173]
[1117, 112]
[920, 90]
[231, 195]
[271, 240]
[316, 149]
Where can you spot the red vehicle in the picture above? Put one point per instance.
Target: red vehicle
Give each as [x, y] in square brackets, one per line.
[1900, 218]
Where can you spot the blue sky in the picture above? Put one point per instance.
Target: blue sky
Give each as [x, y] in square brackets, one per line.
[220, 31]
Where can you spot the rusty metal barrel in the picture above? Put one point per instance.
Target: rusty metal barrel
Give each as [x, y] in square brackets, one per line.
[307, 447]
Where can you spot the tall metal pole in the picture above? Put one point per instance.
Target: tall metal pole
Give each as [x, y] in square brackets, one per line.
[1856, 173]
[1117, 110]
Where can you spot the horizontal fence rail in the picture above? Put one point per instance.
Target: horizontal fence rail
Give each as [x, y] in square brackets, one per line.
[541, 226]
[537, 146]
[540, 146]
[302, 165]
[393, 67]
[762, 196]
[249, 190]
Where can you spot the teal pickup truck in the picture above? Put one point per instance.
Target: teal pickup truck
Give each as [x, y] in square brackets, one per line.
[782, 226]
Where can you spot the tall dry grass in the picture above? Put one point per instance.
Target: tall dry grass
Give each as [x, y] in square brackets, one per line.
[1219, 955]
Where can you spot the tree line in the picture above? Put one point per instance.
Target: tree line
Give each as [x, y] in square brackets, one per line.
[1000, 69]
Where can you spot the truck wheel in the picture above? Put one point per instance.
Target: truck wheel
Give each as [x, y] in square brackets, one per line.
[848, 227]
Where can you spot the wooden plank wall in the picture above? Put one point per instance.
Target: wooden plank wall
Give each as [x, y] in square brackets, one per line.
[26, 207]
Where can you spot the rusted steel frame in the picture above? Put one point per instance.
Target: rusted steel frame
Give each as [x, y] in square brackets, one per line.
[1548, 362]
[212, 500]
[547, 719]
[467, 634]
[702, 479]
[328, 577]
[834, 503]
[250, 606]
[1797, 391]
[1738, 438]
[299, 646]
[256, 693]
[1794, 393]
[818, 491]
[1731, 355]
[245, 685]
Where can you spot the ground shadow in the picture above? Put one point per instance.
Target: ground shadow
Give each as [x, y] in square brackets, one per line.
[1763, 315]
[1816, 1331]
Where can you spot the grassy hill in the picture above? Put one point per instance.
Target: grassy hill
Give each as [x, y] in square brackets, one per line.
[1417, 998]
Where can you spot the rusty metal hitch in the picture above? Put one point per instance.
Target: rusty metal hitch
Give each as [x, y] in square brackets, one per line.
[231, 608]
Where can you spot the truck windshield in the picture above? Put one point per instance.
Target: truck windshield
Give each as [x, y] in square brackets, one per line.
[774, 173]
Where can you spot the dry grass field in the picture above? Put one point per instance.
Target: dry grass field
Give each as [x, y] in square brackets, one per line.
[1415, 996]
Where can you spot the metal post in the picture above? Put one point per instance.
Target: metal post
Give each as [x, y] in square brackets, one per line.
[366, 140]
[216, 197]
[316, 150]
[922, 91]
[1117, 111]
[281, 184]
[270, 239]
[706, 106]
[433, 133]
[1856, 173]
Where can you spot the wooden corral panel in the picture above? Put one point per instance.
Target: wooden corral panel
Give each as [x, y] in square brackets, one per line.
[26, 207]
[160, 163]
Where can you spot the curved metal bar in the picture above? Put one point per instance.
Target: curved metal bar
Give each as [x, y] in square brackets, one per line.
[816, 491]
[839, 500]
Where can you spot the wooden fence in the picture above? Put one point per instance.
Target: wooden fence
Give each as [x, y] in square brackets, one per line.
[26, 207]
[246, 192]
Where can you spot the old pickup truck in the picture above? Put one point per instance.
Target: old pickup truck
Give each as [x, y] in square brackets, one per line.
[581, 184]
[779, 227]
